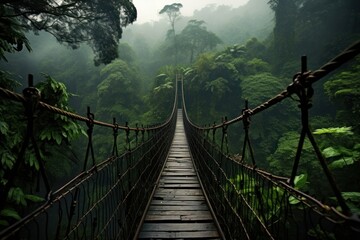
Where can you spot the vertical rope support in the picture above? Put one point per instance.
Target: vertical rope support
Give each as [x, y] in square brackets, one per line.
[213, 137]
[137, 134]
[213, 133]
[305, 99]
[90, 149]
[115, 134]
[224, 138]
[246, 123]
[142, 134]
[304, 90]
[32, 98]
[127, 131]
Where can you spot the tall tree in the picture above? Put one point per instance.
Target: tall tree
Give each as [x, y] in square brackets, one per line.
[99, 23]
[173, 13]
[284, 30]
[195, 39]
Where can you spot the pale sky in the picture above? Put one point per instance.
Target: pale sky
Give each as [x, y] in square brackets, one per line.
[148, 10]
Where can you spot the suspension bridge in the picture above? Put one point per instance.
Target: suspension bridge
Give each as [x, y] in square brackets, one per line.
[176, 182]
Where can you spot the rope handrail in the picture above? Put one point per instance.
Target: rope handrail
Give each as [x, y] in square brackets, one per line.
[306, 78]
[20, 98]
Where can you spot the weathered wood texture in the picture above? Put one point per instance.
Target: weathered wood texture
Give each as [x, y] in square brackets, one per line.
[178, 209]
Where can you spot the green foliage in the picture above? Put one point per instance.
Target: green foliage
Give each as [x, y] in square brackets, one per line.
[53, 134]
[71, 22]
[344, 89]
[12, 37]
[118, 90]
[218, 87]
[336, 131]
[6, 214]
[263, 199]
[161, 97]
[300, 183]
[194, 39]
[260, 87]
[211, 84]
[257, 65]
[352, 200]
[284, 31]
[340, 146]
[61, 128]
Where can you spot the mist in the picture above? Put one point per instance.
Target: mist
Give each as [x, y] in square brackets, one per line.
[227, 53]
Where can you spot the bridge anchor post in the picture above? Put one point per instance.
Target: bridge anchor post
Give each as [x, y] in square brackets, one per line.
[302, 86]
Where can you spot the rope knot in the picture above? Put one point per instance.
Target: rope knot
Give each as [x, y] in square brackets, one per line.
[137, 130]
[116, 129]
[224, 126]
[246, 113]
[90, 122]
[32, 97]
[302, 87]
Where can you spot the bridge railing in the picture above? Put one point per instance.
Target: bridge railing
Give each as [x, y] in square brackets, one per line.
[107, 199]
[253, 204]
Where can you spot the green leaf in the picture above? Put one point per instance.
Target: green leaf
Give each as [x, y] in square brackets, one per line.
[352, 196]
[331, 152]
[4, 128]
[293, 200]
[17, 195]
[341, 163]
[336, 130]
[8, 212]
[7, 159]
[33, 162]
[57, 138]
[34, 198]
[300, 181]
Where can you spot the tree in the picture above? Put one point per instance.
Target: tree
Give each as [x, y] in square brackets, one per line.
[161, 97]
[119, 88]
[99, 23]
[195, 39]
[173, 13]
[284, 30]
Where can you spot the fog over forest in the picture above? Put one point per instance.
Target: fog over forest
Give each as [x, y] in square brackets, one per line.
[225, 56]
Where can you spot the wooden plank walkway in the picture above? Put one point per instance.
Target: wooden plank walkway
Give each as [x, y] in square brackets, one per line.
[178, 209]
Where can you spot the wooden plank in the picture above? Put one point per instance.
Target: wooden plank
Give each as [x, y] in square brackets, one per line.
[180, 192]
[194, 217]
[179, 163]
[173, 227]
[176, 203]
[178, 198]
[178, 174]
[180, 170]
[180, 177]
[177, 208]
[178, 181]
[188, 235]
[180, 185]
[178, 213]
